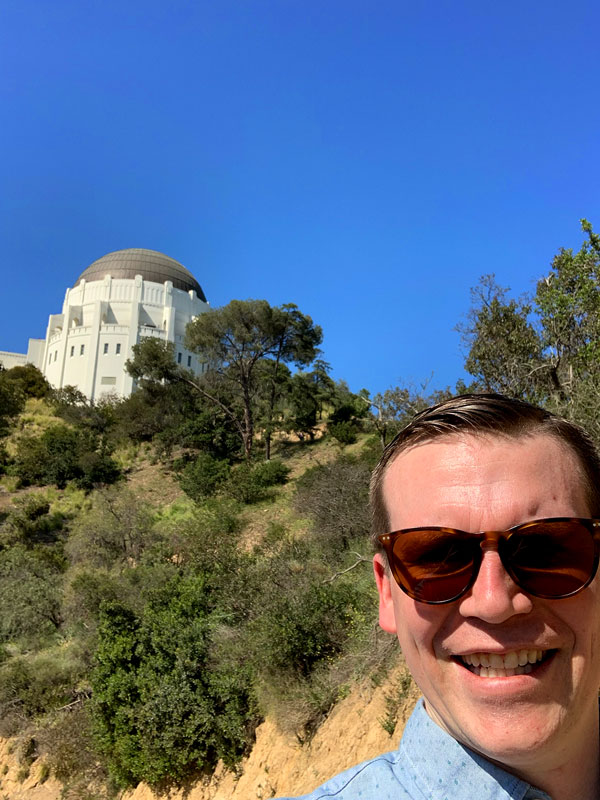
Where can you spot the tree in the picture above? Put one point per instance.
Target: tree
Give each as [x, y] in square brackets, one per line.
[335, 496]
[28, 380]
[62, 454]
[12, 400]
[30, 598]
[393, 408]
[236, 340]
[117, 529]
[568, 305]
[349, 411]
[546, 349]
[303, 405]
[169, 408]
[73, 407]
[153, 361]
[505, 352]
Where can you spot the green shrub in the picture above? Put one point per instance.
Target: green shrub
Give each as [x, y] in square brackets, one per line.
[85, 591]
[30, 523]
[250, 483]
[271, 473]
[62, 454]
[33, 686]
[344, 432]
[4, 457]
[30, 594]
[202, 477]
[245, 485]
[301, 631]
[395, 698]
[28, 380]
[12, 401]
[118, 528]
[164, 707]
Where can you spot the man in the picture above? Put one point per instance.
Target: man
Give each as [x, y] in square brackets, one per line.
[501, 630]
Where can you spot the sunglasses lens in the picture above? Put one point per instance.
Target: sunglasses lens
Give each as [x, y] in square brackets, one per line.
[434, 566]
[550, 559]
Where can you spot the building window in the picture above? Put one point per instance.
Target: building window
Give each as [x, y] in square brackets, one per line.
[82, 350]
[105, 348]
[189, 361]
[118, 349]
[55, 355]
[72, 350]
[179, 358]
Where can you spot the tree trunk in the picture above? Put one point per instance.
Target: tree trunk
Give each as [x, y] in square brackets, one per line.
[272, 404]
[248, 434]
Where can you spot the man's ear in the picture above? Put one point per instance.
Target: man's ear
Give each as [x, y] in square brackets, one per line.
[387, 617]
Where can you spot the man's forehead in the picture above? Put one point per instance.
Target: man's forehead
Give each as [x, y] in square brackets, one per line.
[427, 453]
[455, 463]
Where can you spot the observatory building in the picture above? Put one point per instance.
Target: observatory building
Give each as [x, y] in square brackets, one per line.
[118, 300]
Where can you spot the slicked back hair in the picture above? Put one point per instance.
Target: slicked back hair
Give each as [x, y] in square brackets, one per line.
[485, 415]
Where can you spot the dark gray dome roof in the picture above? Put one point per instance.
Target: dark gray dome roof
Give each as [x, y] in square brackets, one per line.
[150, 264]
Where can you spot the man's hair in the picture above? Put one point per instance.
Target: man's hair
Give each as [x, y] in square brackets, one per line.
[485, 414]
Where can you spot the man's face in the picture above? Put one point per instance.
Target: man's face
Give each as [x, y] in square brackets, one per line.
[484, 484]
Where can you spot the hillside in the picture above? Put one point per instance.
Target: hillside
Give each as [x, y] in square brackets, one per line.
[277, 766]
[293, 637]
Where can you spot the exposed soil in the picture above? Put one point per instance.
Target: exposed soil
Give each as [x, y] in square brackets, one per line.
[277, 765]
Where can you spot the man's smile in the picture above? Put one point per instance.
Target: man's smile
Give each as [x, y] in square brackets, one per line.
[504, 665]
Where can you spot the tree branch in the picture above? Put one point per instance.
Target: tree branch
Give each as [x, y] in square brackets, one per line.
[360, 560]
[216, 401]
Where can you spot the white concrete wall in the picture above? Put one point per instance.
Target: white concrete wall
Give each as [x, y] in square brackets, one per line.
[87, 345]
[35, 352]
[10, 360]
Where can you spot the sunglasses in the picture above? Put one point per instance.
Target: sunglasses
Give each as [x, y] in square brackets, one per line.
[548, 558]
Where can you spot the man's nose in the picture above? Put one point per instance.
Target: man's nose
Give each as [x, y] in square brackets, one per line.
[494, 597]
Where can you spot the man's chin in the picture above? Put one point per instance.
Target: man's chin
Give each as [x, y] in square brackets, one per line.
[510, 737]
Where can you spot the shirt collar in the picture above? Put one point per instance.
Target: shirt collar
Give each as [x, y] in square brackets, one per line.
[442, 767]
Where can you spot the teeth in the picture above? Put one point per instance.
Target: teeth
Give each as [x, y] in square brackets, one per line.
[494, 665]
[511, 660]
[523, 657]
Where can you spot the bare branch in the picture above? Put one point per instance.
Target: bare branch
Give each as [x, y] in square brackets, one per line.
[360, 560]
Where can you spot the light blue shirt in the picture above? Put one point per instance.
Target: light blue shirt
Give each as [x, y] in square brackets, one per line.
[428, 765]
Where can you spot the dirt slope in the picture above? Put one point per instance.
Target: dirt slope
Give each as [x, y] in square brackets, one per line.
[278, 765]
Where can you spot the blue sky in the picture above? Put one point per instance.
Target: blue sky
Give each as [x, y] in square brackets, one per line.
[366, 161]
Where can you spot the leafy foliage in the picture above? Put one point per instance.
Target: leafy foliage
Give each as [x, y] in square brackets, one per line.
[250, 483]
[61, 454]
[306, 628]
[396, 406]
[116, 529]
[203, 476]
[12, 400]
[241, 341]
[31, 523]
[30, 596]
[161, 712]
[27, 380]
[30, 686]
[505, 350]
[349, 412]
[545, 349]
